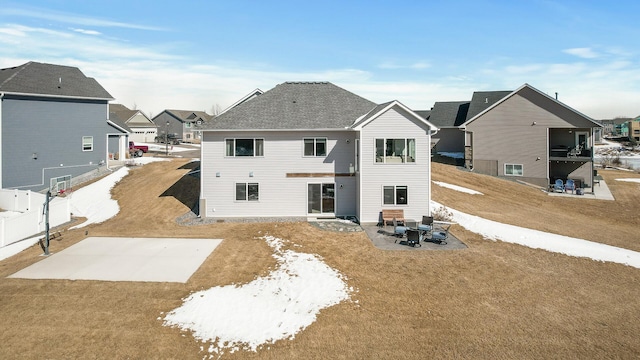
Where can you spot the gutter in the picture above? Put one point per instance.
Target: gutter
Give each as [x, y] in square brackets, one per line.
[58, 96]
[1, 99]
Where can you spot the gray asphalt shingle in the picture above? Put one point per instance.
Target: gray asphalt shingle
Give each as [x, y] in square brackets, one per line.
[47, 79]
[295, 105]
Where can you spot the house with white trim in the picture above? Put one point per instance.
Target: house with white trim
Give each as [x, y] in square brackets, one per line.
[54, 126]
[142, 129]
[315, 150]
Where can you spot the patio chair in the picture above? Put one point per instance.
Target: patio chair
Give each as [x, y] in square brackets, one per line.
[570, 185]
[427, 224]
[558, 186]
[441, 236]
[398, 230]
[574, 152]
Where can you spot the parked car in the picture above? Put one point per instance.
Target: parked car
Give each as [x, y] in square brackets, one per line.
[137, 150]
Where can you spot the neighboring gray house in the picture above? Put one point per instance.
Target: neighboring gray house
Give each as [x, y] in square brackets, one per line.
[315, 150]
[181, 123]
[447, 116]
[530, 136]
[54, 125]
[249, 96]
[141, 127]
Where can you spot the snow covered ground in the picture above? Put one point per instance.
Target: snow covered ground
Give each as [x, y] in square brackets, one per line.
[270, 308]
[458, 188]
[287, 300]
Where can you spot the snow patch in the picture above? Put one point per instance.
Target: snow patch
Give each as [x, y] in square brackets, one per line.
[458, 188]
[270, 308]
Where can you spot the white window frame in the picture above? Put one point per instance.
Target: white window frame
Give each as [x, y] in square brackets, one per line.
[395, 194]
[315, 146]
[87, 140]
[403, 158]
[247, 197]
[234, 147]
[513, 166]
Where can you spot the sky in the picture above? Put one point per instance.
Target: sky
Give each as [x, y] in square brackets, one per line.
[206, 55]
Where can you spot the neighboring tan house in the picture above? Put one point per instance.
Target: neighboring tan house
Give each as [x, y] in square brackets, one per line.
[633, 127]
[181, 123]
[315, 150]
[143, 130]
[530, 136]
[54, 125]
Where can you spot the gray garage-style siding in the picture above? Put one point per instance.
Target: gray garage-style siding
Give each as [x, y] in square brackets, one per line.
[33, 155]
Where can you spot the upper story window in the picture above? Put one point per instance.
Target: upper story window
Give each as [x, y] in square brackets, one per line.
[187, 125]
[87, 143]
[315, 146]
[244, 147]
[395, 151]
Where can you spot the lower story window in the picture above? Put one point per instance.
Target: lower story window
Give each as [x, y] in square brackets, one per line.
[247, 192]
[513, 169]
[394, 195]
[87, 143]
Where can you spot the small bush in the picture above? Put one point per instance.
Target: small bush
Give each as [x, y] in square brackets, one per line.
[442, 214]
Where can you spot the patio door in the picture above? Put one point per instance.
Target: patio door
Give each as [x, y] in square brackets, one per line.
[321, 198]
[582, 138]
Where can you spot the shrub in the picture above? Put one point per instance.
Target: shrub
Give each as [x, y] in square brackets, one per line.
[442, 214]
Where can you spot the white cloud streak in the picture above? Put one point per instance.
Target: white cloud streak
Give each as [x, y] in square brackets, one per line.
[157, 77]
[585, 53]
[47, 14]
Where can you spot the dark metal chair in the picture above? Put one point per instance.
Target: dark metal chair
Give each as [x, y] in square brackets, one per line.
[413, 237]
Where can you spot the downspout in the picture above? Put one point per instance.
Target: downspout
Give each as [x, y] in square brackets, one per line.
[1, 132]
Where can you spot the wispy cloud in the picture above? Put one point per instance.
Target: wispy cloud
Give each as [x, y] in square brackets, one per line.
[585, 53]
[68, 18]
[87, 32]
[414, 66]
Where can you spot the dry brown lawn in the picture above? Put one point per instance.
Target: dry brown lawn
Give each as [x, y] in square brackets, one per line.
[493, 300]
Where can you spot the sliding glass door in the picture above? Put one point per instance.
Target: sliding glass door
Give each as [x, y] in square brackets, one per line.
[321, 198]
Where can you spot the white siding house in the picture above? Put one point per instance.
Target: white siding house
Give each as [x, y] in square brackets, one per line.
[314, 150]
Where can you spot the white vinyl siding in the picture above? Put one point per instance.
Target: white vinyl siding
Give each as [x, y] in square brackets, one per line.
[394, 124]
[280, 195]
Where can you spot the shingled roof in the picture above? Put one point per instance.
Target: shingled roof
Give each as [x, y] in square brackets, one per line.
[295, 106]
[482, 100]
[121, 112]
[449, 113]
[35, 78]
[188, 116]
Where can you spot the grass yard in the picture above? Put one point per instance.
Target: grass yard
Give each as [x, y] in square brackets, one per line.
[493, 300]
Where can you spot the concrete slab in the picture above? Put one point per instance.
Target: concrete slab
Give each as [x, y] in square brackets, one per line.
[600, 192]
[124, 259]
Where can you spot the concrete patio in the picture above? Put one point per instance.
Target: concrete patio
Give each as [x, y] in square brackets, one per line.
[384, 239]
